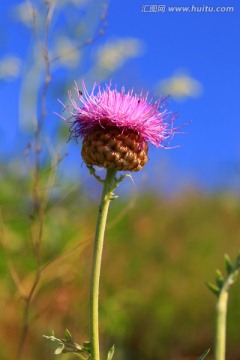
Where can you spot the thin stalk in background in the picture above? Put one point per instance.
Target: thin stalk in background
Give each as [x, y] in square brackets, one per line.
[38, 201]
[221, 290]
[221, 326]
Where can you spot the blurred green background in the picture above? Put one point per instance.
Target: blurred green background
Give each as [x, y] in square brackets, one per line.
[158, 254]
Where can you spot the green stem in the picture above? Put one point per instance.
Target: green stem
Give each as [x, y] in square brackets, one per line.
[221, 319]
[109, 185]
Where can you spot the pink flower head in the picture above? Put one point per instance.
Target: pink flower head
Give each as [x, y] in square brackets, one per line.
[109, 108]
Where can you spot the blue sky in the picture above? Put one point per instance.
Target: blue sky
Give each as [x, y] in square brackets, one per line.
[203, 46]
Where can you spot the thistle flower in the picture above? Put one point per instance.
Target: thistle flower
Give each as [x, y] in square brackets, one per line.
[116, 127]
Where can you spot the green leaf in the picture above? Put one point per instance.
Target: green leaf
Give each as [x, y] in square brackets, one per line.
[68, 335]
[67, 345]
[204, 355]
[53, 338]
[227, 264]
[59, 350]
[234, 277]
[113, 197]
[238, 261]
[111, 353]
[80, 356]
[87, 346]
[213, 288]
[219, 279]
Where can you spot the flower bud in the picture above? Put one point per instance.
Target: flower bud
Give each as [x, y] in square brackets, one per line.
[114, 148]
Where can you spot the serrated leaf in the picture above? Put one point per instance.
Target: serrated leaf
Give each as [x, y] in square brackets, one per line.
[204, 355]
[53, 338]
[59, 350]
[111, 353]
[227, 264]
[213, 288]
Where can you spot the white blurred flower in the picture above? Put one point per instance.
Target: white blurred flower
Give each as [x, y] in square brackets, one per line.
[66, 52]
[24, 12]
[62, 3]
[114, 54]
[180, 86]
[9, 67]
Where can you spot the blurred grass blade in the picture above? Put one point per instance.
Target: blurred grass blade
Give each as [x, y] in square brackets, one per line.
[213, 288]
[204, 355]
[228, 264]
[111, 353]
